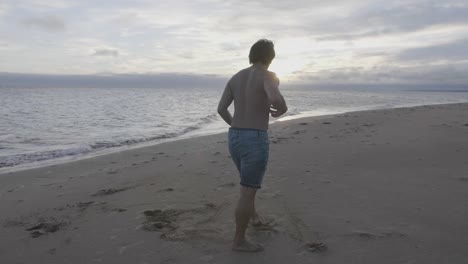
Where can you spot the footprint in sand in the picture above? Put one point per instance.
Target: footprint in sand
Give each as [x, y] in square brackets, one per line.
[315, 246]
[299, 231]
[264, 224]
[464, 179]
[184, 224]
[110, 191]
[157, 220]
[297, 132]
[279, 139]
[45, 227]
[84, 205]
[80, 206]
[229, 185]
[370, 236]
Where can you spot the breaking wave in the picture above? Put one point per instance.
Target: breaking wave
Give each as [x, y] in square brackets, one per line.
[14, 160]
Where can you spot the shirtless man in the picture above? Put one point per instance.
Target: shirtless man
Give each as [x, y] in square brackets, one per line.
[256, 96]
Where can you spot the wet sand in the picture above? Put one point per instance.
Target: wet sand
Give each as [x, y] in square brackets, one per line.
[383, 186]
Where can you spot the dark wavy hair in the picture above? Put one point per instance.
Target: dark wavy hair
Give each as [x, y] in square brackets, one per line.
[262, 51]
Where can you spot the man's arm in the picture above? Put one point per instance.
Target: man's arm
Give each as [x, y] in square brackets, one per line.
[224, 103]
[276, 99]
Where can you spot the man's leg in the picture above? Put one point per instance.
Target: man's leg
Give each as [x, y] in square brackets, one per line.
[256, 219]
[244, 211]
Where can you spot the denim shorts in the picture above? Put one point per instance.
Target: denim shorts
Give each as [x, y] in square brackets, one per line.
[249, 150]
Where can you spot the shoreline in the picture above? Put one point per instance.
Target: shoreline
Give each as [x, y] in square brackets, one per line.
[113, 150]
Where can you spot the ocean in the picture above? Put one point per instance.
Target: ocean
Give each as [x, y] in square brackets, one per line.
[43, 126]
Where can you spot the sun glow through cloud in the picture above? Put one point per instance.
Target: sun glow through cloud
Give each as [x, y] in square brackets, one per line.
[293, 55]
[287, 67]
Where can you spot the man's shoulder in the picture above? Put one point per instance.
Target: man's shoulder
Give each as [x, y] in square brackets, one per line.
[271, 77]
[271, 74]
[238, 75]
[241, 72]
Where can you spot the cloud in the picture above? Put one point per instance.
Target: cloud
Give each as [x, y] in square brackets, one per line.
[415, 15]
[441, 77]
[3, 9]
[390, 17]
[106, 52]
[391, 74]
[318, 41]
[45, 5]
[48, 23]
[454, 51]
[57, 4]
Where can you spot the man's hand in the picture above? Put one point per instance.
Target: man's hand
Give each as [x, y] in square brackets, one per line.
[275, 112]
[226, 100]
[277, 102]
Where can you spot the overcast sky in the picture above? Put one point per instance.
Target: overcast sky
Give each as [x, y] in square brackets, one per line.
[333, 41]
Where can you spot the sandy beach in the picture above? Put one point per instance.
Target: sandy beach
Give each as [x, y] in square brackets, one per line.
[382, 186]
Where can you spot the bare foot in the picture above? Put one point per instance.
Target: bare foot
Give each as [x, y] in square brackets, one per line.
[246, 246]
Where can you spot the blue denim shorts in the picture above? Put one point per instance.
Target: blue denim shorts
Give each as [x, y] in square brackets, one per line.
[249, 150]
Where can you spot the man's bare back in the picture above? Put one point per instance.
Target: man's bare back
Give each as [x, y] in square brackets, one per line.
[254, 91]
